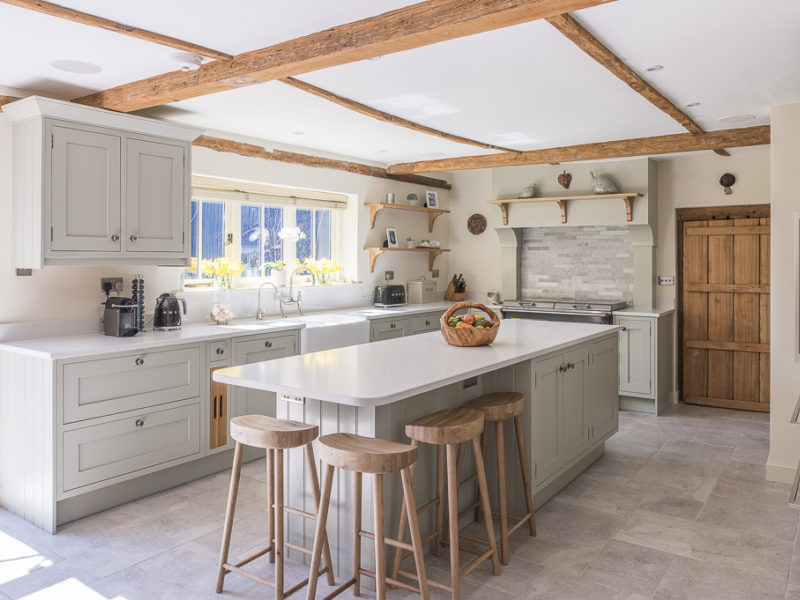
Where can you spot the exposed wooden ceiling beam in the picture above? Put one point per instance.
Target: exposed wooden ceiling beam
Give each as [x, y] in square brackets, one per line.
[86, 19]
[402, 29]
[384, 116]
[578, 35]
[664, 144]
[6, 100]
[252, 150]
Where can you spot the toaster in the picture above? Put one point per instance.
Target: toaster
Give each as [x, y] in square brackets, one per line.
[389, 295]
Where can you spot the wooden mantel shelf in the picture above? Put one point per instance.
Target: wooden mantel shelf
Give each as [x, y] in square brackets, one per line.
[374, 253]
[376, 207]
[562, 203]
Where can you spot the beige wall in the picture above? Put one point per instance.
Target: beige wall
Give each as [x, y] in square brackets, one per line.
[784, 371]
[74, 292]
[692, 181]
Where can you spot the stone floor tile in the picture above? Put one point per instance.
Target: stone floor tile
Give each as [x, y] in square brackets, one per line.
[688, 579]
[576, 523]
[558, 585]
[653, 436]
[613, 498]
[612, 470]
[672, 502]
[696, 451]
[748, 483]
[793, 588]
[553, 552]
[619, 448]
[44, 577]
[739, 425]
[629, 568]
[773, 518]
[134, 583]
[727, 439]
[752, 449]
[695, 479]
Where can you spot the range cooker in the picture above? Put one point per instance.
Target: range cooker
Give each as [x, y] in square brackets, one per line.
[562, 309]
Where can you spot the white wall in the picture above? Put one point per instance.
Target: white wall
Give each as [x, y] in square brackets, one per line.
[784, 371]
[74, 292]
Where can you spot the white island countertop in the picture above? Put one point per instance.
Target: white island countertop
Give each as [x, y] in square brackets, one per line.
[384, 372]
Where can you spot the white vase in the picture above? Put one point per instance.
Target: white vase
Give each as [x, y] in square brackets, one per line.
[411, 244]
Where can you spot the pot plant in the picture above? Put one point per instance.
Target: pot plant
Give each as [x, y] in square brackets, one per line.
[413, 200]
[410, 242]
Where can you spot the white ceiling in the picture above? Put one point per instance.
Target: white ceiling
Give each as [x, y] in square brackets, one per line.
[524, 87]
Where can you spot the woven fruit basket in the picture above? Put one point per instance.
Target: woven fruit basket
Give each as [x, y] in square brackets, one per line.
[469, 335]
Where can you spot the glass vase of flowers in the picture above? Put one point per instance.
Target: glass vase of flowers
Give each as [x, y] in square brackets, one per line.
[324, 270]
[223, 271]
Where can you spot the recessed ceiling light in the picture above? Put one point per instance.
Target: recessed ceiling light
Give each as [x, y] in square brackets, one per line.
[187, 60]
[298, 132]
[382, 151]
[692, 105]
[736, 119]
[75, 66]
[653, 68]
[375, 58]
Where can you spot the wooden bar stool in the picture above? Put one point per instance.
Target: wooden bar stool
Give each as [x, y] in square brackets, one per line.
[497, 408]
[275, 436]
[367, 455]
[447, 429]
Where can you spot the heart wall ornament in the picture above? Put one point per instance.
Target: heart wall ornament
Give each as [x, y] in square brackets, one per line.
[564, 180]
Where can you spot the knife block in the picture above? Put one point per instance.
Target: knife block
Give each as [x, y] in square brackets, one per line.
[451, 293]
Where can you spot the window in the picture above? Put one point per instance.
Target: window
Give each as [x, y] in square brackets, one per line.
[245, 226]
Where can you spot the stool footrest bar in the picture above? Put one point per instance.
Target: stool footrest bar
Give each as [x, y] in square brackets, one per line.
[431, 582]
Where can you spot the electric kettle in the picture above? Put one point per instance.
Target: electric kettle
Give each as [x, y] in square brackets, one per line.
[168, 312]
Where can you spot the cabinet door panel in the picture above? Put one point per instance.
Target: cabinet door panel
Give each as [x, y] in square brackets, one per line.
[604, 402]
[84, 190]
[247, 401]
[425, 323]
[576, 393]
[546, 445]
[635, 357]
[387, 330]
[155, 197]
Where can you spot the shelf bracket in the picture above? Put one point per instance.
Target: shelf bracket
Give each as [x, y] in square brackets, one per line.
[374, 253]
[562, 204]
[432, 256]
[374, 209]
[432, 219]
[504, 209]
[628, 207]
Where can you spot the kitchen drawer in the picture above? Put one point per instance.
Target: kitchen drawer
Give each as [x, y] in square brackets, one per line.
[113, 385]
[425, 323]
[386, 329]
[100, 452]
[218, 351]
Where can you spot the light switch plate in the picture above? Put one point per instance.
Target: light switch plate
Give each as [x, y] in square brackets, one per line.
[388, 275]
[435, 273]
[666, 280]
[293, 399]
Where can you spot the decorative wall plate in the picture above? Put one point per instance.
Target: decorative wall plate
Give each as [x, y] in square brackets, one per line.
[476, 224]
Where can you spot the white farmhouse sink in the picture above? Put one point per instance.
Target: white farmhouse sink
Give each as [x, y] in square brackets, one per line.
[325, 332]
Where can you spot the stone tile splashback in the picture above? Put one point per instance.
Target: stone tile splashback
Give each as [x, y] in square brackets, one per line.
[577, 262]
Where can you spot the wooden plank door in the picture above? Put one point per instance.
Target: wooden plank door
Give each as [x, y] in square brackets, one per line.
[218, 417]
[725, 312]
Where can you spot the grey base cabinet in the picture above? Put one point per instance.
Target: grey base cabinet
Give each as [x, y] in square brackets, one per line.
[390, 328]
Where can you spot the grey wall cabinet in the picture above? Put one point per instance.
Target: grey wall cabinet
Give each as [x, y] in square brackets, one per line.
[94, 187]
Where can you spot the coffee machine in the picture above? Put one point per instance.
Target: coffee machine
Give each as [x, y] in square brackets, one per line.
[119, 317]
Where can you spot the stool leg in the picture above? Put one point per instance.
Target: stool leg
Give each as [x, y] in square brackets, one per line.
[279, 549]
[452, 507]
[380, 554]
[413, 524]
[357, 498]
[484, 447]
[233, 491]
[270, 502]
[526, 477]
[487, 509]
[437, 544]
[312, 473]
[320, 533]
[401, 529]
[501, 491]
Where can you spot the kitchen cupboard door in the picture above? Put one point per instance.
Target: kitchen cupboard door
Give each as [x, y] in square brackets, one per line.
[155, 196]
[218, 412]
[245, 352]
[604, 401]
[84, 190]
[546, 417]
[389, 329]
[635, 356]
[576, 391]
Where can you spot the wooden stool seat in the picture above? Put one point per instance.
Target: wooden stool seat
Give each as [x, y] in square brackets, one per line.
[449, 426]
[499, 406]
[364, 454]
[260, 431]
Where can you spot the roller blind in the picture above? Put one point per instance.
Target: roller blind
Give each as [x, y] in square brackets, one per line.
[215, 194]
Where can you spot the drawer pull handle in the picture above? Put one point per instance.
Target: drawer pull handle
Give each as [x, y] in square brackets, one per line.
[570, 365]
[133, 238]
[220, 351]
[561, 368]
[115, 238]
[139, 422]
[139, 362]
[427, 322]
[624, 329]
[393, 325]
[268, 344]
[215, 407]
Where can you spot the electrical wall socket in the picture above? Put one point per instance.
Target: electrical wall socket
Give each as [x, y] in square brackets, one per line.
[388, 275]
[114, 282]
[435, 273]
[666, 280]
[470, 382]
[293, 399]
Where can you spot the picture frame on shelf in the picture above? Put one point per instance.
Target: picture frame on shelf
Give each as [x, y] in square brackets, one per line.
[391, 237]
[432, 198]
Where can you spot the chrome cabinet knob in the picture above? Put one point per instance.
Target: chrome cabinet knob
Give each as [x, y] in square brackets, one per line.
[392, 325]
[115, 238]
[133, 238]
[623, 329]
[139, 362]
[268, 344]
[220, 351]
[139, 422]
[561, 368]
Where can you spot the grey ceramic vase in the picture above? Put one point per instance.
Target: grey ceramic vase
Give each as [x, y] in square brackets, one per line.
[602, 184]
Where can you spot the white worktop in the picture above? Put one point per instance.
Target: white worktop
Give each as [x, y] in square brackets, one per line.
[643, 311]
[95, 344]
[384, 372]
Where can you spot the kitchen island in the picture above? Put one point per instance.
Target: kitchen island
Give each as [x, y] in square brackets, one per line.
[567, 372]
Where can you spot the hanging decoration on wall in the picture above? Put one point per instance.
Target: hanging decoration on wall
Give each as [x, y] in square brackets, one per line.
[476, 224]
[726, 181]
[602, 184]
[564, 180]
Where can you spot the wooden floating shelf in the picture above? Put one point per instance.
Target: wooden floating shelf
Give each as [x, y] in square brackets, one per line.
[374, 253]
[376, 207]
[627, 197]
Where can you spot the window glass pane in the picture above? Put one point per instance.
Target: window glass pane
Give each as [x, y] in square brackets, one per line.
[303, 246]
[251, 240]
[194, 223]
[213, 230]
[273, 245]
[322, 234]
